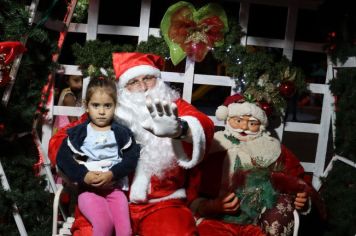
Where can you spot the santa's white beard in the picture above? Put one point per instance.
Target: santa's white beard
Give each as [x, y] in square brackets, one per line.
[156, 154]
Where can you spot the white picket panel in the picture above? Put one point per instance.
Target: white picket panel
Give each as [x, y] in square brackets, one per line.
[189, 78]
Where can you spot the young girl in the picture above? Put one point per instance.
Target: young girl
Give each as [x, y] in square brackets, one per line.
[98, 155]
[70, 96]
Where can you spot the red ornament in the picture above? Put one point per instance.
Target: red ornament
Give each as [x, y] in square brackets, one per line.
[287, 89]
[11, 50]
[8, 52]
[266, 107]
[2, 129]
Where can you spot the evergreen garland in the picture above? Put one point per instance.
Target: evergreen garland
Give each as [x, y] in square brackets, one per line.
[258, 72]
[341, 203]
[13, 20]
[154, 45]
[27, 190]
[261, 71]
[95, 55]
[338, 192]
[344, 88]
[80, 13]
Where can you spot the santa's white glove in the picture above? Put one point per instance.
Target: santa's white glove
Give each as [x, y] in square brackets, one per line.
[164, 120]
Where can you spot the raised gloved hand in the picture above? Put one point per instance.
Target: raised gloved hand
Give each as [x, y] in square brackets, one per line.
[164, 121]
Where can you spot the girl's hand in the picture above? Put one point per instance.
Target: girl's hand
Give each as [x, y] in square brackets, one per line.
[91, 177]
[103, 179]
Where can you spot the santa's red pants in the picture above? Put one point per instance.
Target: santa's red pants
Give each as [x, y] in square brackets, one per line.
[211, 227]
[170, 217]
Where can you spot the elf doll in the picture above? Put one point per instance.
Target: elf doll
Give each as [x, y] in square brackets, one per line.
[251, 183]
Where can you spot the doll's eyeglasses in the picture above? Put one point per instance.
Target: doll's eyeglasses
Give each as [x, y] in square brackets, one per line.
[245, 121]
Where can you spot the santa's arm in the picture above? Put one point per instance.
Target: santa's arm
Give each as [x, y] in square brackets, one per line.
[293, 167]
[200, 131]
[291, 164]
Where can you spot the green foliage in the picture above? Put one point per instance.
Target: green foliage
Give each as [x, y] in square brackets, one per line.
[341, 203]
[34, 69]
[154, 45]
[13, 20]
[81, 11]
[344, 88]
[262, 70]
[342, 51]
[17, 154]
[95, 55]
[339, 191]
[27, 190]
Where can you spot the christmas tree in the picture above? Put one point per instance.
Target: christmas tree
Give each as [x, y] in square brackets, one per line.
[18, 153]
[339, 187]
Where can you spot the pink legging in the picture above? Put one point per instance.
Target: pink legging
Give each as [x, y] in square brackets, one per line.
[106, 211]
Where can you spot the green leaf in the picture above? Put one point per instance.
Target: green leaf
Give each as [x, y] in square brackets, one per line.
[176, 52]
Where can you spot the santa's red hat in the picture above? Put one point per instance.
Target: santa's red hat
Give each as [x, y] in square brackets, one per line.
[235, 105]
[128, 65]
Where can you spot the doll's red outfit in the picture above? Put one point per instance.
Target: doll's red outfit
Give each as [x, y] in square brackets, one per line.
[165, 212]
[211, 186]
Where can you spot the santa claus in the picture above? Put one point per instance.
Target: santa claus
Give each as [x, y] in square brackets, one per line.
[251, 183]
[174, 137]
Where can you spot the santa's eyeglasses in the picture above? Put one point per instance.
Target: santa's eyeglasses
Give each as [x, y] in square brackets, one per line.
[136, 82]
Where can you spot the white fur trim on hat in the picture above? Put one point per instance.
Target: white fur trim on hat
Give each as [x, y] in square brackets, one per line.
[221, 113]
[199, 142]
[137, 71]
[249, 109]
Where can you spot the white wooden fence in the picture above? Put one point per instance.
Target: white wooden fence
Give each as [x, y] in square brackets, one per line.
[189, 78]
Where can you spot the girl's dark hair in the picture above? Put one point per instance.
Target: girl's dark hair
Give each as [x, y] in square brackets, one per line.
[106, 84]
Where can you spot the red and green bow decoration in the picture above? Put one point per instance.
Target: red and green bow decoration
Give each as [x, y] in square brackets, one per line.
[8, 53]
[193, 33]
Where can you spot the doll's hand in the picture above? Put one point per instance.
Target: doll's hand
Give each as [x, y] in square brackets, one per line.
[164, 120]
[228, 204]
[301, 200]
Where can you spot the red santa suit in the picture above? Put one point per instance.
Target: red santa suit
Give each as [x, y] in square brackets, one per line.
[212, 183]
[159, 204]
[169, 196]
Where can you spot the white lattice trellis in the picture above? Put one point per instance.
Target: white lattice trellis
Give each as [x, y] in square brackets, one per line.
[189, 78]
